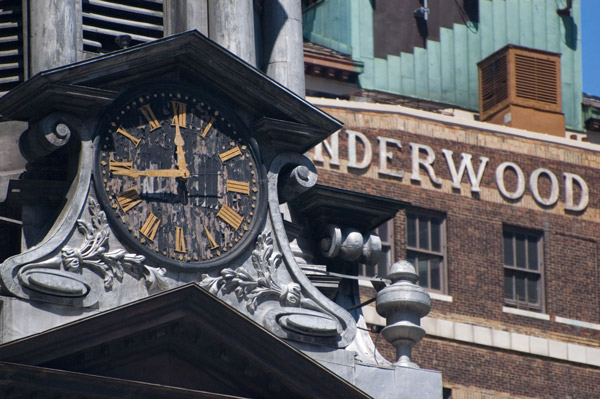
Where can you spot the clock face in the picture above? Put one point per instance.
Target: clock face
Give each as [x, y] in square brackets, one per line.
[179, 178]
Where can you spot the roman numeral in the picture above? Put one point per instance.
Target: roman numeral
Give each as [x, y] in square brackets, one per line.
[211, 239]
[149, 115]
[134, 139]
[179, 240]
[207, 128]
[231, 153]
[150, 227]
[179, 113]
[238, 187]
[230, 216]
[128, 199]
[115, 166]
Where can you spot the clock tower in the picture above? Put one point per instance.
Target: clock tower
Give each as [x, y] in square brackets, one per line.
[181, 205]
[177, 154]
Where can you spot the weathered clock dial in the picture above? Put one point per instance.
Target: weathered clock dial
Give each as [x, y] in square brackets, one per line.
[180, 179]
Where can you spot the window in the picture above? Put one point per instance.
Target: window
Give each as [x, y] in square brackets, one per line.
[426, 247]
[523, 268]
[308, 3]
[386, 258]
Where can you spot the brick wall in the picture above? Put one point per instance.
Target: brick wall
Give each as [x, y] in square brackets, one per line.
[506, 372]
[478, 372]
[474, 225]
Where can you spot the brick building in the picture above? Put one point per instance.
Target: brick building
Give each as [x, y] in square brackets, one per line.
[500, 270]
[503, 221]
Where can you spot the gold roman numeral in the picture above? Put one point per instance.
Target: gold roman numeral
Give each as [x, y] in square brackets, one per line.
[231, 153]
[115, 166]
[149, 115]
[150, 227]
[211, 239]
[230, 216]
[207, 127]
[179, 240]
[131, 137]
[128, 199]
[179, 113]
[234, 186]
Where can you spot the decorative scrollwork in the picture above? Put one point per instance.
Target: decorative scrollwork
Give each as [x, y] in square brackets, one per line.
[253, 289]
[92, 252]
[152, 275]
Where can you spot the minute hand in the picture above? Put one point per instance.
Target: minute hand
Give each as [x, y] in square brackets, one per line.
[151, 173]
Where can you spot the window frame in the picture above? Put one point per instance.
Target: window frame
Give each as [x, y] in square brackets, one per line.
[514, 269]
[375, 270]
[307, 4]
[441, 254]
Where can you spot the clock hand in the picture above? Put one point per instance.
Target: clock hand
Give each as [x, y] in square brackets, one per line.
[181, 163]
[182, 192]
[153, 173]
[181, 172]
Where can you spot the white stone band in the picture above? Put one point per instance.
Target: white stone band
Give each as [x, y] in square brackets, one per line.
[480, 335]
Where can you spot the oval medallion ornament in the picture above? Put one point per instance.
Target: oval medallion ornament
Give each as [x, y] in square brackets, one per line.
[54, 282]
[313, 324]
[304, 325]
[178, 177]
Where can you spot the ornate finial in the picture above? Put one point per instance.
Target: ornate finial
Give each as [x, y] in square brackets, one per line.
[403, 304]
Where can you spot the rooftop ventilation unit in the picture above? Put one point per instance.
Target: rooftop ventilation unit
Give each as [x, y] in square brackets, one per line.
[520, 87]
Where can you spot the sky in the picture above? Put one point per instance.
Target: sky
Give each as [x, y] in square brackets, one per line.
[590, 38]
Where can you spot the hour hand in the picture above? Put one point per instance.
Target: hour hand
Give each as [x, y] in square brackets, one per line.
[179, 143]
[153, 173]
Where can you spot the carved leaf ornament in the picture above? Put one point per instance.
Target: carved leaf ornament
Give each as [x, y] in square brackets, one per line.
[56, 276]
[92, 252]
[254, 288]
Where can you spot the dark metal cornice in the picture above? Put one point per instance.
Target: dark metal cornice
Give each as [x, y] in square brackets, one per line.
[188, 58]
[325, 205]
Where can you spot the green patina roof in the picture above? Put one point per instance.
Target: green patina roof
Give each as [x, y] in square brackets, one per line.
[446, 71]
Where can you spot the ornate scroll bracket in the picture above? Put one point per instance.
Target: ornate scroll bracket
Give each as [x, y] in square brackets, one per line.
[60, 232]
[330, 325]
[255, 289]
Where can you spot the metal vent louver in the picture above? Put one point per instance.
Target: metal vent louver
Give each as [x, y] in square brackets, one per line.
[536, 78]
[494, 84]
[11, 44]
[106, 20]
[516, 76]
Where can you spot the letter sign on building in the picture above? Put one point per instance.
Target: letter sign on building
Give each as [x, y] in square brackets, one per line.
[422, 157]
[520, 190]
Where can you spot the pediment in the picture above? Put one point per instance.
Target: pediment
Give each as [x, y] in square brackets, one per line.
[184, 338]
[16, 382]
